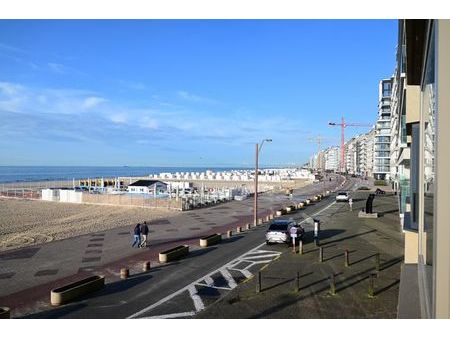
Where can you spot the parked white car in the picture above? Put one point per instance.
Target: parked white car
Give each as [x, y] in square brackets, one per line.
[342, 196]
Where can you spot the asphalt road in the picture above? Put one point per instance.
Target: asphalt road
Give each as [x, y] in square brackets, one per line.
[175, 290]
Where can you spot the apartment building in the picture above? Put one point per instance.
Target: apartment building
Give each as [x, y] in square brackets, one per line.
[399, 150]
[367, 153]
[425, 103]
[332, 156]
[382, 142]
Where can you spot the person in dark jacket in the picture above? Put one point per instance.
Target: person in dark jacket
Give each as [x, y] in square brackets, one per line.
[144, 232]
[137, 235]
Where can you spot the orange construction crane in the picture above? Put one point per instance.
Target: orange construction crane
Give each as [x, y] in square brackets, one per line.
[344, 125]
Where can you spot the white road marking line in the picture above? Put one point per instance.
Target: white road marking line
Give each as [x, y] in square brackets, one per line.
[230, 280]
[262, 256]
[198, 303]
[261, 262]
[213, 286]
[266, 251]
[172, 315]
[246, 273]
[176, 293]
[209, 280]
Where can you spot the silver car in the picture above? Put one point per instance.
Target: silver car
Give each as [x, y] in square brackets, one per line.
[279, 231]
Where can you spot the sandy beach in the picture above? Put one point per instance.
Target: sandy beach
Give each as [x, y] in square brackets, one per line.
[28, 222]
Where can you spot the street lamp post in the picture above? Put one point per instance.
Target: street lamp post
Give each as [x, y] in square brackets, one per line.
[255, 201]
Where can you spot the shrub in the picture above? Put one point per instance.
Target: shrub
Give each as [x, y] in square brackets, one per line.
[363, 188]
[380, 182]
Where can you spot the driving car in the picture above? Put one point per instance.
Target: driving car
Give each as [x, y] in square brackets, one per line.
[279, 231]
[342, 196]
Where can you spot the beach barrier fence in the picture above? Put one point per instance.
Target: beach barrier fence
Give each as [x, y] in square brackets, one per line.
[131, 200]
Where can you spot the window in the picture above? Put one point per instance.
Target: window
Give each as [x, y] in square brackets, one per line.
[429, 131]
[387, 88]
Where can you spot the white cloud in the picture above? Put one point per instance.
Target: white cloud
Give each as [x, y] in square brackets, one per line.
[10, 89]
[149, 123]
[93, 101]
[119, 118]
[10, 48]
[194, 98]
[57, 68]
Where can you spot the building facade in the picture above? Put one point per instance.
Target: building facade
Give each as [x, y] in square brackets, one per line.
[382, 142]
[425, 276]
[332, 156]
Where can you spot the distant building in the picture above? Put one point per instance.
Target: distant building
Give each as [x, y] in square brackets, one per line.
[147, 187]
[332, 159]
[381, 156]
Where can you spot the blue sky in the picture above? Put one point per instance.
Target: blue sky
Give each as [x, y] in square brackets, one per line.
[185, 92]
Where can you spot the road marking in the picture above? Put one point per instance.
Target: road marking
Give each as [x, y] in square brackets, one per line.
[227, 275]
[261, 256]
[246, 273]
[209, 280]
[247, 257]
[198, 303]
[172, 315]
[214, 287]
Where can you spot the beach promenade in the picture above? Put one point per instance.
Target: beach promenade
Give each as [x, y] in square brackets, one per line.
[27, 275]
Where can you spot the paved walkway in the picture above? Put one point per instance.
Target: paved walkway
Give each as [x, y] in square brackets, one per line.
[27, 275]
[341, 230]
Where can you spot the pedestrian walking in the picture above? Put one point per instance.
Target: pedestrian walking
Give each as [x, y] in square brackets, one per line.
[350, 203]
[144, 232]
[137, 235]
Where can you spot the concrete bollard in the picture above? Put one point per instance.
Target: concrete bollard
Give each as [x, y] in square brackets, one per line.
[146, 266]
[248, 226]
[124, 273]
[229, 233]
[258, 283]
[321, 254]
[260, 221]
[346, 259]
[370, 292]
[266, 219]
[300, 247]
[238, 230]
[333, 285]
[270, 217]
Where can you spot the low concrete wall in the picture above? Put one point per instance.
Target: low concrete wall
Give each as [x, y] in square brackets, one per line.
[210, 240]
[71, 291]
[280, 212]
[290, 208]
[174, 253]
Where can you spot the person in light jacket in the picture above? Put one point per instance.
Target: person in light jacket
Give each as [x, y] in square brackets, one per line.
[144, 232]
[137, 235]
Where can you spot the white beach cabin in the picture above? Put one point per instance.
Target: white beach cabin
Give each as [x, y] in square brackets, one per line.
[154, 187]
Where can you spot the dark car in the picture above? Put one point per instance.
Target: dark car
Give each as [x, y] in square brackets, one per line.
[279, 231]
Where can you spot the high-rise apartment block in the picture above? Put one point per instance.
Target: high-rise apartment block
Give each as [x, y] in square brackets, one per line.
[382, 143]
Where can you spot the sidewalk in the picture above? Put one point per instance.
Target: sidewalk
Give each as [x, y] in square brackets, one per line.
[340, 230]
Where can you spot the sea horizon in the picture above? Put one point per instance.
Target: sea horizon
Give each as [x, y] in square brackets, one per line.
[33, 173]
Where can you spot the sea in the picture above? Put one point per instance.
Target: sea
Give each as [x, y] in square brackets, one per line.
[9, 174]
